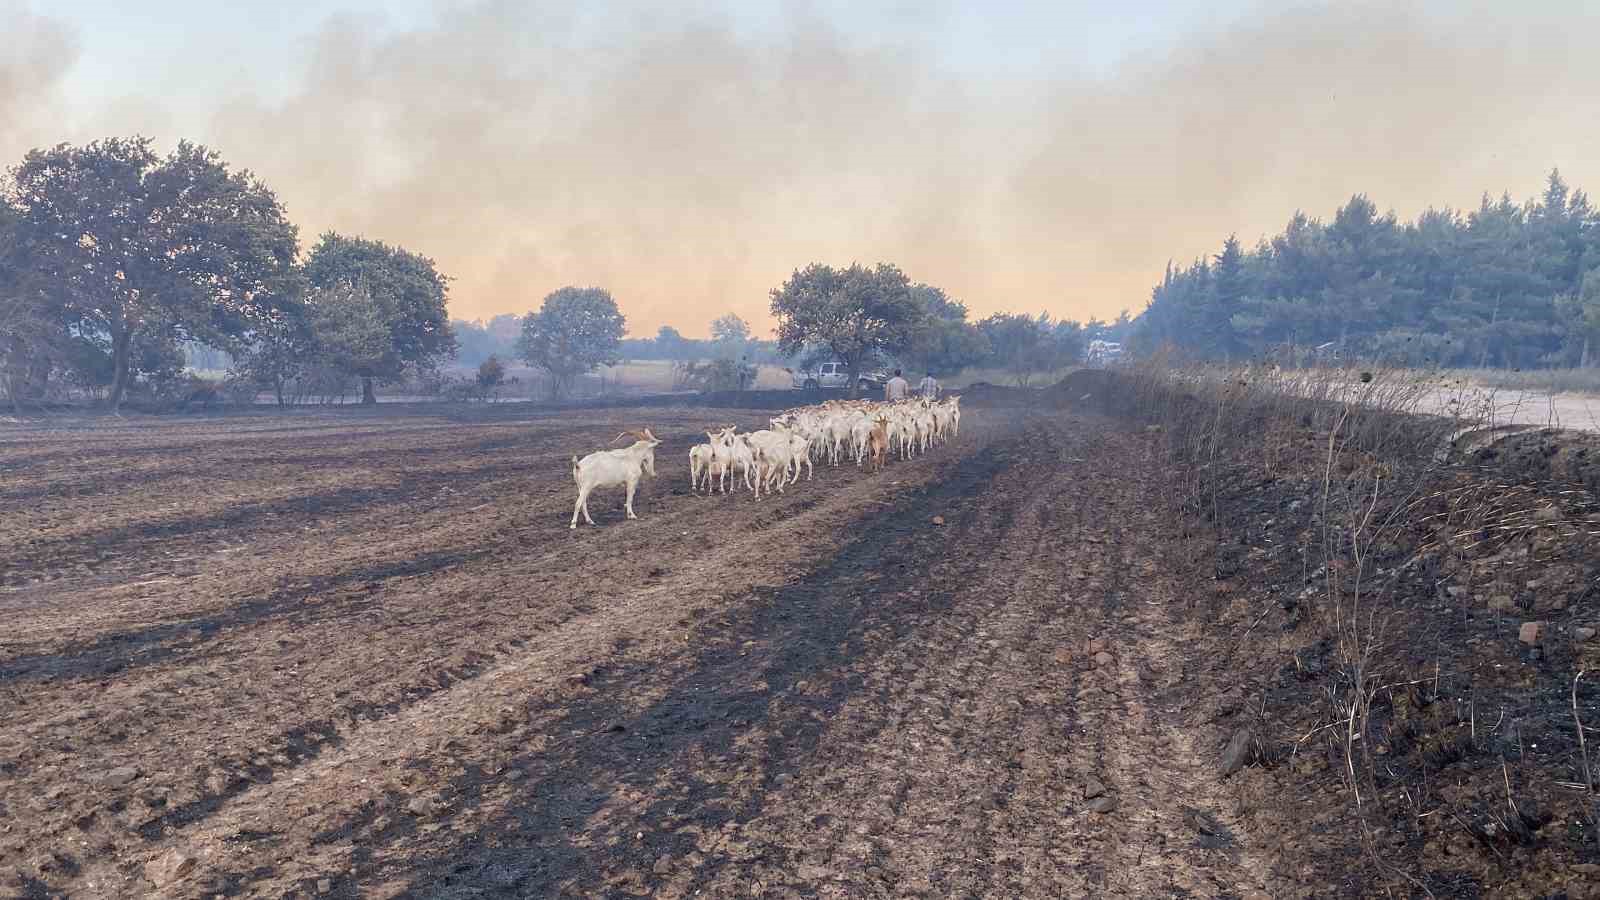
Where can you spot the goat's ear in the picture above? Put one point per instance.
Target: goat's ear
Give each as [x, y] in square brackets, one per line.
[650, 437]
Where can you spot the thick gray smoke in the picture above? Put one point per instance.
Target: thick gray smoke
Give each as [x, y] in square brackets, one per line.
[689, 163]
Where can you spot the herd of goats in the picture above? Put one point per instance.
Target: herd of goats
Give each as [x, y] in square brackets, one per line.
[868, 431]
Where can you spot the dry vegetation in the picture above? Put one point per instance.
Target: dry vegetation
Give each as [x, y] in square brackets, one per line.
[1408, 602]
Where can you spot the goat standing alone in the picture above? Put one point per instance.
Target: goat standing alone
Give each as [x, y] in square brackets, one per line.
[604, 468]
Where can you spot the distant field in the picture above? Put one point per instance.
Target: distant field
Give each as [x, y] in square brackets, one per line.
[649, 376]
[1576, 381]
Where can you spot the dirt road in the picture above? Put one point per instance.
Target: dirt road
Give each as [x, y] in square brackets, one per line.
[333, 657]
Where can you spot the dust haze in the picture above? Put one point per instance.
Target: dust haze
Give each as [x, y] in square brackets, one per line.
[689, 165]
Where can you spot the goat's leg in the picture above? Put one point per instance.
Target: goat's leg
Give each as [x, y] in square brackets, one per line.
[583, 505]
[577, 506]
[632, 483]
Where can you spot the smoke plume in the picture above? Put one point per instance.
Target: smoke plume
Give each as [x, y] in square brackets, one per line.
[689, 163]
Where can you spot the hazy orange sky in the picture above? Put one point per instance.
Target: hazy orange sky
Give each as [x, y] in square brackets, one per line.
[1025, 156]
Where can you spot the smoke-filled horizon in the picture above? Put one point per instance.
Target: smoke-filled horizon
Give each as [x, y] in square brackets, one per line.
[689, 162]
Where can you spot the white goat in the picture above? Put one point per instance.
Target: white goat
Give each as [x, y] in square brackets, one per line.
[701, 460]
[604, 468]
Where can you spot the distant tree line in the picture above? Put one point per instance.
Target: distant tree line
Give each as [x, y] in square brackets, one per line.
[1505, 285]
[121, 269]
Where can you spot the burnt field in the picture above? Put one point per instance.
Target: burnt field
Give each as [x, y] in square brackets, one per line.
[359, 653]
[363, 655]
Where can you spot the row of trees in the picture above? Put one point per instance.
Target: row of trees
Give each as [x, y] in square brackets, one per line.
[862, 316]
[116, 263]
[1507, 284]
[731, 338]
[112, 258]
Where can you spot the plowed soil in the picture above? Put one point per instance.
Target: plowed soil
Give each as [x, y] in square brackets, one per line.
[330, 655]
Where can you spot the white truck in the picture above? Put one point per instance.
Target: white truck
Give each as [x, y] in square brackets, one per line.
[1103, 352]
[834, 375]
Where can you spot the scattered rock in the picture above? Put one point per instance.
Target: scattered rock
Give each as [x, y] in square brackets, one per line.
[1093, 787]
[420, 807]
[783, 779]
[1531, 633]
[121, 776]
[169, 867]
[1063, 657]
[1237, 754]
[663, 866]
[1095, 646]
[1583, 634]
[1502, 603]
[1103, 805]
[324, 885]
[1104, 659]
[938, 520]
[515, 775]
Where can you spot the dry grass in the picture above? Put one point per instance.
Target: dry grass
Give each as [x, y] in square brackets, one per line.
[1365, 440]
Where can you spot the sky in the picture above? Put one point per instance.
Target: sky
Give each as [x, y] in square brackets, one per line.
[1025, 156]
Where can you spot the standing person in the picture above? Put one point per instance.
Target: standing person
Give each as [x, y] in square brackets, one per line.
[929, 387]
[895, 388]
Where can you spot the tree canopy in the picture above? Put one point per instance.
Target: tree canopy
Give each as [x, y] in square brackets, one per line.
[143, 251]
[730, 328]
[575, 331]
[1025, 346]
[947, 342]
[384, 288]
[1501, 285]
[858, 314]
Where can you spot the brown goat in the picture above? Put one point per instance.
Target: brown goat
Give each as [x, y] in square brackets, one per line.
[878, 443]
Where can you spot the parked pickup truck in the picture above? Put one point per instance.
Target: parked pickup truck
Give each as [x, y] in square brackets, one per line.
[834, 375]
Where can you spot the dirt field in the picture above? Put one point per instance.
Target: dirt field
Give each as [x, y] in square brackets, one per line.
[364, 656]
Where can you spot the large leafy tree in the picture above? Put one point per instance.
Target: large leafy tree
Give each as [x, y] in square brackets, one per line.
[947, 342]
[402, 292]
[572, 333]
[139, 249]
[857, 314]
